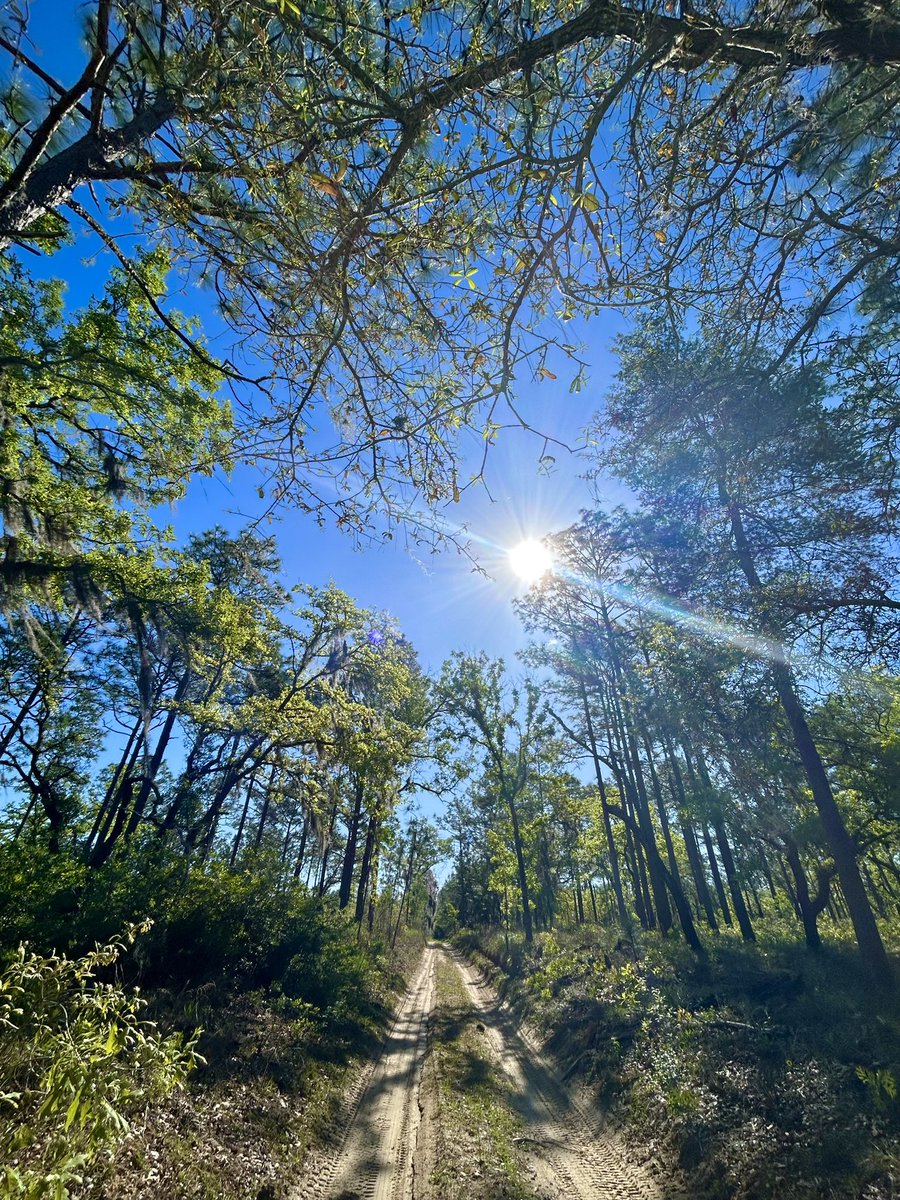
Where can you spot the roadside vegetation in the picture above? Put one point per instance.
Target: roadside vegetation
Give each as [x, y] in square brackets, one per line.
[203, 1057]
[675, 826]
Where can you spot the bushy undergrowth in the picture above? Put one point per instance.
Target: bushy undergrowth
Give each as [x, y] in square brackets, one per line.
[283, 991]
[766, 1073]
[240, 928]
[77, 1057]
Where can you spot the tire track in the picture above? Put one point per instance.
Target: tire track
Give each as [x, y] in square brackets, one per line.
[375, 1160]
[572, 1156]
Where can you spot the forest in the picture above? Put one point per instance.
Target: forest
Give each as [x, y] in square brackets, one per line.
[286, 914]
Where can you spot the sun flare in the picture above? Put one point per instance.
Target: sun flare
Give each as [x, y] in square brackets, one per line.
[530, 560]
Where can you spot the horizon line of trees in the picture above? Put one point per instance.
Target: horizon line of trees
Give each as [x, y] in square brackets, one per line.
[400, 214]
[213, 718]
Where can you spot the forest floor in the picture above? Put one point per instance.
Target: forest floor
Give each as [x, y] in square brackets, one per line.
[462, 1103]
[277, 1078]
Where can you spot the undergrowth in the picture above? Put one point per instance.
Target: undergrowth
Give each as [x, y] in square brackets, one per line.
[201, 1063]
[77, 1056]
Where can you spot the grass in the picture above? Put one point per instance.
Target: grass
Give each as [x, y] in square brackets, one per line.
[476, 1155]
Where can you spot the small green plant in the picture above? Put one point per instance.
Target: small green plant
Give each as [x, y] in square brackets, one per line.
[76, 1057]
[881, 1084]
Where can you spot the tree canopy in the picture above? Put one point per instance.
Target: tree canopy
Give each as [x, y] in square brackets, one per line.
[401, 208]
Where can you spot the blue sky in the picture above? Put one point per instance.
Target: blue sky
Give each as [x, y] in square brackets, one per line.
[441, 600]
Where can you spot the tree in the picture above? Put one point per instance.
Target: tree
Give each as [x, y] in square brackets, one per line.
[504, 725]
[599, 692]
[106, 414]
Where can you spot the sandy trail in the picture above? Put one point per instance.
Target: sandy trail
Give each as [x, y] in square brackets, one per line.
[570, 1156]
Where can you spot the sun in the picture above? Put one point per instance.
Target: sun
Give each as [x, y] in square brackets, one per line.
[530, 560]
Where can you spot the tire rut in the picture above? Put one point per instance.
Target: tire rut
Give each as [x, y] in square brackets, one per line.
[572, 1156]
[375, 1159]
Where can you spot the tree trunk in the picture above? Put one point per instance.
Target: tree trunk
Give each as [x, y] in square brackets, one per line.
[523, 875]
[304, 836]
[373, 885]
[463, 895]
[809, 908]
[681, 905]
[641, 807]
[645, 912]
[579, 898]
[364, 870]
[734, 884]
[689, 836]
[407, 882]
[124, 768]
[839, 840]
[49, 186]
[267, 801]
[875, 892]
[611, 848]
[697, 871]
[789, 888]
[238, 837]
[717, 875]
[593, 901]
[767, 873]
[350, 849]
[661, 809]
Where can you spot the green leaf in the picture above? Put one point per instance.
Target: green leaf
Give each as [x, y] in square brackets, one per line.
[72, 1110]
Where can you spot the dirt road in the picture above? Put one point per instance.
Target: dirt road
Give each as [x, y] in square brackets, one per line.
[389, 1123]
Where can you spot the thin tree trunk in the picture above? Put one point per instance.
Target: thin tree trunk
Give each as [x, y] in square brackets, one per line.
[689, 837]
[682, 907]
[373, 885]
[716, 874]
[789, 888]
[875, 892]
[611, 847]
[364, 871]
[593, 901]
[809, 908]
[696, 863]
[767, 873]
[242, 822]
[124, 768]
[350, 849]
[304, 836]
[407, 882]
[734, 885]
[840, 842]
[523, 874]
[267, 801]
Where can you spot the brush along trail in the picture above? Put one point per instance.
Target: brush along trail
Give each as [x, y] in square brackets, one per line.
[410, 1131]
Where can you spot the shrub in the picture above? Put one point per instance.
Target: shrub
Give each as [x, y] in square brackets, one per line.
[76, 1058]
